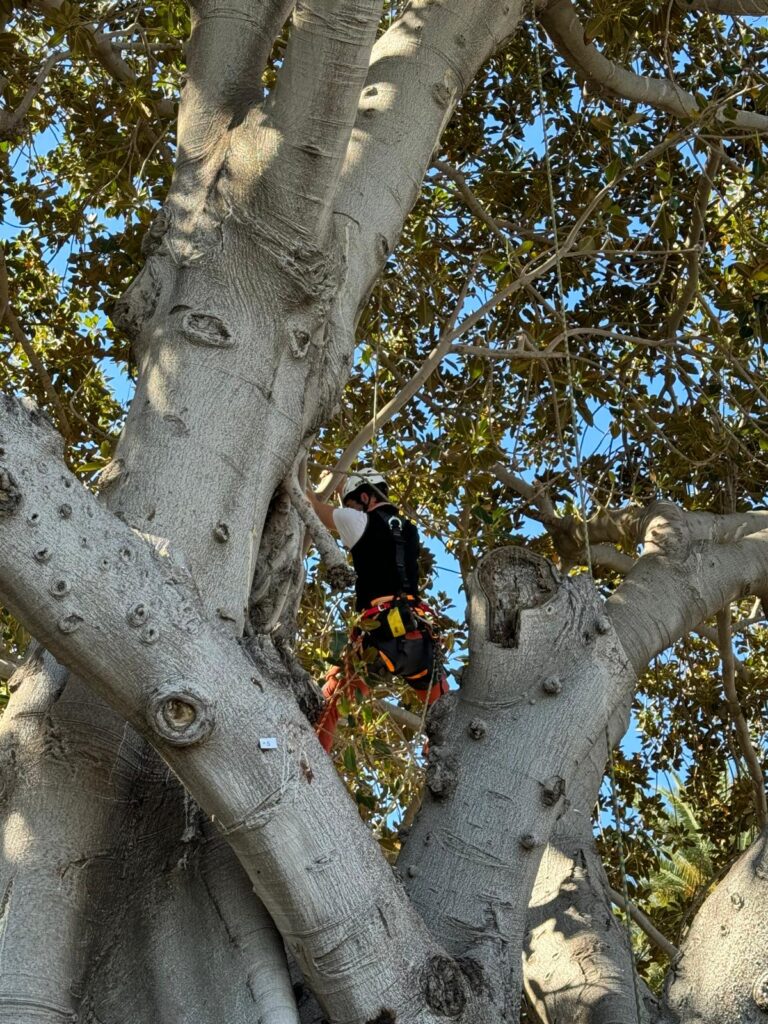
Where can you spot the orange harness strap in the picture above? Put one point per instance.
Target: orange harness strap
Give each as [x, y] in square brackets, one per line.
[337, 683]
[345, 679]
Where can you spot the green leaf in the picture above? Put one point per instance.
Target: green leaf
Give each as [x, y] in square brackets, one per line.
[350, 760]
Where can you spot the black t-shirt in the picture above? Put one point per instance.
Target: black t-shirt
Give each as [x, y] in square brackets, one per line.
[375, 559]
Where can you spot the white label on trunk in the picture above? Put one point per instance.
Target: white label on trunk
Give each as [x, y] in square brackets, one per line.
[268, 743]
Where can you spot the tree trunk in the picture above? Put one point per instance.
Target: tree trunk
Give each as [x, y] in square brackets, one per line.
[545, 672]
[277, 225]
[243, 327]
[722, 974]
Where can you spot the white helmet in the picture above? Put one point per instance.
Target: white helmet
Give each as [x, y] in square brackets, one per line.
[359, 479]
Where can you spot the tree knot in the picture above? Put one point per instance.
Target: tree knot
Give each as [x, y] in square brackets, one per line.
[206, 330]
[442, 774]
[760, 993]
[10, 494]
[384, 1016]
[445, 984]
[341, 577]
[511, 580]
[151, 241]
[179, 715]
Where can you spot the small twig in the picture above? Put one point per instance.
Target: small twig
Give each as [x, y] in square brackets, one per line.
[87, 423]
[568, 534]
[406, 393]
[755, 616]
[600, 332]
[400, 715]
[749, 754]
[473, 203]
[645, 924]
[696, 241]
[7, 315]
[496, 225]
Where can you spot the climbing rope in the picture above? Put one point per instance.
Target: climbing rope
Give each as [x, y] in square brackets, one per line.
[563, 310]
[581, 487]
[375, 431]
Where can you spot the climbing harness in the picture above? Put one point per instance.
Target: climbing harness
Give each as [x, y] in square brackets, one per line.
[581, 489]
[397, 632]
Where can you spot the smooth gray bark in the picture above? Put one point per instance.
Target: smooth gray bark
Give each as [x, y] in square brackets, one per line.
[228, 323]
[548, 688]
[578, 964]
[189, 688]
[545, 670]
[696, 563]
[722, 974]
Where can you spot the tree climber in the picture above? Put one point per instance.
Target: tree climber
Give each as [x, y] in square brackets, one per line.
[394, 635]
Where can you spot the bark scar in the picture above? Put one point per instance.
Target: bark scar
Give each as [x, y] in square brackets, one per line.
[10, 493]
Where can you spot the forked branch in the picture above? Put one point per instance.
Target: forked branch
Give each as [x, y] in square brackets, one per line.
[105, 52]
[567, 32]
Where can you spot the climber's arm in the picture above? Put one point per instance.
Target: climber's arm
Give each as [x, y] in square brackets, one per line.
[323, 511]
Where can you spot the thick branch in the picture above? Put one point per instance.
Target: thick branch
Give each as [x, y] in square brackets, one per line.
[579, 965]
[545, 677]
[694, 570]
[666, 529]
[316, 99]
[130, 622]
[419, 70]
[578, 962]
[227, 52]
[721, 976]
[608, 556]
[108, 57]
[567, 33]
